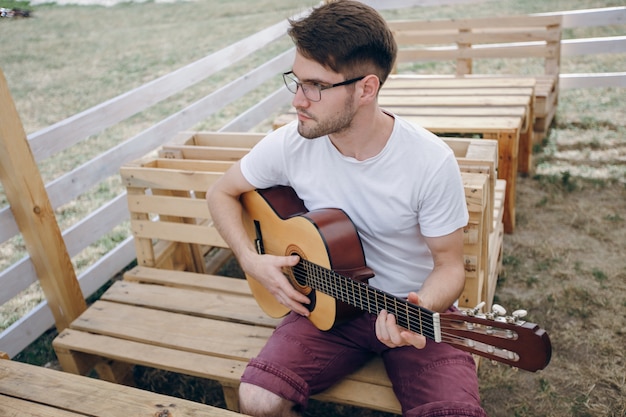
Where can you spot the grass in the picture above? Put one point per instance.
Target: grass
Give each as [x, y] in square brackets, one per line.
[564, 263]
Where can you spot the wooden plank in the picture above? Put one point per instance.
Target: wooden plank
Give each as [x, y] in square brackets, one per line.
[168, 205]
[483, 22]
[464, 124]
[205, 152]
[62, 394]
[390, 100]
[177, 331]
[499, 111]
[450, 81]
[227, 306]
[604, 16]
[591, 46]
[593, 80]
[406, 89]
[226, 139]
[35, 217]
[173, 180]
[188, 280]
[177, 232]
[15, 407]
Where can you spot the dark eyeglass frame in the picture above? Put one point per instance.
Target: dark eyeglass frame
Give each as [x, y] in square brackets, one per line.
[308, 87]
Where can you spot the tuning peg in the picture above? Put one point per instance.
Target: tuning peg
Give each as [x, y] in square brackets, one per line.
[498, 310]
[473, 311]
[519, 314]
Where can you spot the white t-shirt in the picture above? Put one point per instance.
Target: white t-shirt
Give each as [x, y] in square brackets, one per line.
[411, 189]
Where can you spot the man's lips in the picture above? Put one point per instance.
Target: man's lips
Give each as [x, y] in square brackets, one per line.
[302, 116]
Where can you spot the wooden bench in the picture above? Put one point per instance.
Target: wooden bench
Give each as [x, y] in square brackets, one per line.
[498, 109]
[524, 45]
[174, 312]
[34, 391]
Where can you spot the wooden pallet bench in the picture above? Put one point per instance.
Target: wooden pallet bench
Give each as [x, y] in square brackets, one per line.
[175, 312]
[529, 45]
[34, 391]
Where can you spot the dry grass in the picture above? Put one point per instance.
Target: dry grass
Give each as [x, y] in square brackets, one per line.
[564, 263]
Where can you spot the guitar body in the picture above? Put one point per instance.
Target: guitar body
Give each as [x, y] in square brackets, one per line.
[277, 220]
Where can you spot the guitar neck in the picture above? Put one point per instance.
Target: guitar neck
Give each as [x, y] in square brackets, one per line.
[367, 298]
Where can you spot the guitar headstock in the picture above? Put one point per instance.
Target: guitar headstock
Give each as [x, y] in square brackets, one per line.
[504, 338]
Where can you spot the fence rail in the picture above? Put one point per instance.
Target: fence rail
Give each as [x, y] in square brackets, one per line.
[69, 132]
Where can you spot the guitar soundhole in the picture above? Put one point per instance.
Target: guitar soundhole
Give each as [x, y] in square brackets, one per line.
[297, 277]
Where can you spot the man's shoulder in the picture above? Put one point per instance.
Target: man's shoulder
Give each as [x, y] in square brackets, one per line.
[419, 137]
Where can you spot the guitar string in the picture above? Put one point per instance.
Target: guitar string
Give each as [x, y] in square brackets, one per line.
[413, 313]
[329, 285]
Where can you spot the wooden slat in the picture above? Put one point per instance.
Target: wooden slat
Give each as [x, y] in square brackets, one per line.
[15, 407]
[406, 89]
[497, 111]
[177, 232]
[174, 180]
[226, 306]
[226, 139]
[168, 205]
[173, 330]
[462, 124]
[206, 152]
[44, 392]
[388, 100]
[188, 280]
[443, 81]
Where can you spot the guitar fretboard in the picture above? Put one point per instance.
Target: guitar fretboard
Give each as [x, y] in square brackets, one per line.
[365, 297]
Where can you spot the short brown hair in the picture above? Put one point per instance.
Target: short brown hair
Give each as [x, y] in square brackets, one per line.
[348, 37]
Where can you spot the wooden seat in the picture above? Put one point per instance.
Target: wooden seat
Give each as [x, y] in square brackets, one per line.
[34, 391]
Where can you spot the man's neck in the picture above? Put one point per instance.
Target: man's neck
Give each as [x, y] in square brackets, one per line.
[367, 136]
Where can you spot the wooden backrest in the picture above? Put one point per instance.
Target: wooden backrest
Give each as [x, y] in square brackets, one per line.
[169, 217]
[464, 40]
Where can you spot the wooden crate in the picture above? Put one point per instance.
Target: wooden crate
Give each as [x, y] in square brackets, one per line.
[172, 191]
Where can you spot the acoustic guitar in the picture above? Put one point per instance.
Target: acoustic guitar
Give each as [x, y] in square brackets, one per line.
[332, 272]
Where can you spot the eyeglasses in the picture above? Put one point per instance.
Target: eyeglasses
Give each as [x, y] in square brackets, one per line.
[312, 91]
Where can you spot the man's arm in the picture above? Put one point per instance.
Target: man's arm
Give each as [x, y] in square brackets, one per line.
[445, 283]
[226, 213]
[441, 289]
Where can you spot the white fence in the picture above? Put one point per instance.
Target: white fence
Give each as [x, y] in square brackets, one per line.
[64, 134]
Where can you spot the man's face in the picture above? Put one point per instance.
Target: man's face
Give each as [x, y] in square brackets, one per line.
[336, 108]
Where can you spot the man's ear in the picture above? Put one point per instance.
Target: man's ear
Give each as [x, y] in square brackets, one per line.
[371, 85]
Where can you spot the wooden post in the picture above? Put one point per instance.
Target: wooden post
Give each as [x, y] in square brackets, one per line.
[34, 216]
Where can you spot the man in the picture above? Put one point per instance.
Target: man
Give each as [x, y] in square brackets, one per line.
[401, 187]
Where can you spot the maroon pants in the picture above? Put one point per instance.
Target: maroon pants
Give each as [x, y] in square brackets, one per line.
[299, 360]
